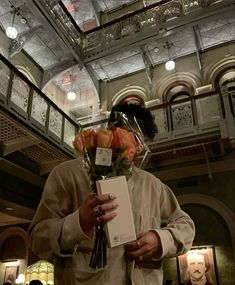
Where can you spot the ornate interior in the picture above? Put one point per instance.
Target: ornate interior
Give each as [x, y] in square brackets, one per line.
[108, 52]
[94, 44]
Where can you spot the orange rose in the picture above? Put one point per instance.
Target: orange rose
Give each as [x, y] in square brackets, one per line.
[123, 139]
[78, 143]
[89, 138]
[130, 153]
[115, 143]
[126, 141]
[104, 138]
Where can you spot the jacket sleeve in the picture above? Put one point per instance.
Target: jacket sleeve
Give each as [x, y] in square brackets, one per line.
[55, 229]
[177, 228]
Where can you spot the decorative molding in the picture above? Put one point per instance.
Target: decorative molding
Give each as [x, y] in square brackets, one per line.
[219, 66]
[189, 78]
[13, 231]
[127, 91]
[27, 73]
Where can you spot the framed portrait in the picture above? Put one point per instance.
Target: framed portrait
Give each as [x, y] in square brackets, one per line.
[197, 266]
[11, 273]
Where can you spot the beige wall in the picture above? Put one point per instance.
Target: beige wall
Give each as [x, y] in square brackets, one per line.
[55, 94]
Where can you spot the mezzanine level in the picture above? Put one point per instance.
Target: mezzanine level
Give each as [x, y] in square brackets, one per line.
[35, 135]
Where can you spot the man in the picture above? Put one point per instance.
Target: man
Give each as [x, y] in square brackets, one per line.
[63, 227]
[197, 268]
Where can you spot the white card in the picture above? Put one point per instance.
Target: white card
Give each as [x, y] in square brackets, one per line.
[103, 156]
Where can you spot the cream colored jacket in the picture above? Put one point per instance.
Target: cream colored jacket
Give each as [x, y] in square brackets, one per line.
[55, 233]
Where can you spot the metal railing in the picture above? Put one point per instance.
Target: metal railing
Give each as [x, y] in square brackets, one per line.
[199, 115]
[27, 103]
[146, 22]
[205, 116]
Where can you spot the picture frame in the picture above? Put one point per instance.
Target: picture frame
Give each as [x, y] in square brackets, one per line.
[197, 264]
[11, 273]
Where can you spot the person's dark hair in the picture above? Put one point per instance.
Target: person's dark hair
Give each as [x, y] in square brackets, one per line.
[7, 283]
[35, 282]
[142, 115]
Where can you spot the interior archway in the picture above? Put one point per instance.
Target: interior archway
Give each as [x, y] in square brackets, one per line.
[205, 200]
[138, 92]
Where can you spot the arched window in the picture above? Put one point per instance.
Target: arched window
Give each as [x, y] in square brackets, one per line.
[133, 99]
[227, 77]
[180, 106]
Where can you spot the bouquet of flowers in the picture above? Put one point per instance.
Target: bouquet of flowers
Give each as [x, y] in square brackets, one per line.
[108, 153]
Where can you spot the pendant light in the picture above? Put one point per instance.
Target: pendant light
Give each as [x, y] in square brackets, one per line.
[170, 64]
[11, 31]
[71, 95]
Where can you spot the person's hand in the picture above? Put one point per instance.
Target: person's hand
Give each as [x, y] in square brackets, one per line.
[147, 246]
[97, 208]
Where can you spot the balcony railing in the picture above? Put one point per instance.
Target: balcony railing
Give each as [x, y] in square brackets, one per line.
[27, 103]
[146, 22]
[195, 116]
[205, 116]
